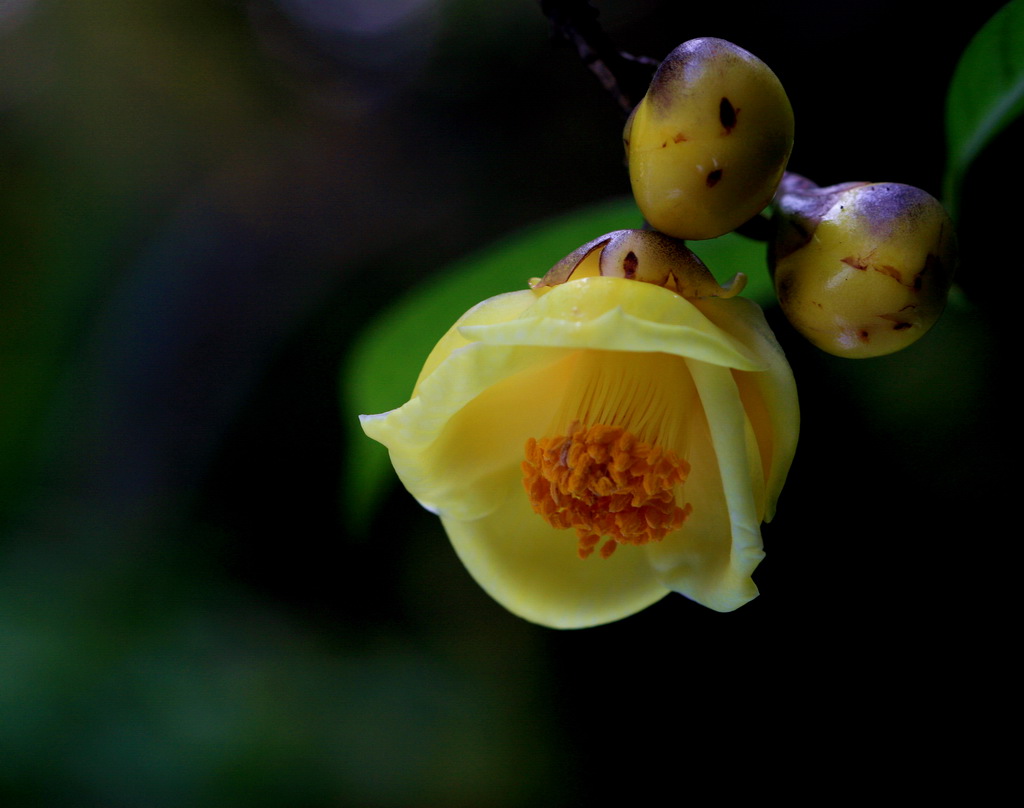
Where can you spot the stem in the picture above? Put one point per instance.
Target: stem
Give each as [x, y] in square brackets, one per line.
[625, 77]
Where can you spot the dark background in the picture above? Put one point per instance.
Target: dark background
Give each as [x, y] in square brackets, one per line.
[204, 201]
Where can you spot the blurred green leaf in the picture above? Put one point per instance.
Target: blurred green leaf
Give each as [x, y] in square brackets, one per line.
[385, 361]
[985, 95]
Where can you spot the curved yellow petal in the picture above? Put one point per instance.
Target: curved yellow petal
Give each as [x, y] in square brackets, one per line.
[533, 570]
[617, 314]
[712, 557]
[769, 398]
[469, 421]
[496, 309]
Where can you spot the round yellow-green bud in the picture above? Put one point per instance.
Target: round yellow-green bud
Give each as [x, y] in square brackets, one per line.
[862, 269]
[709, 142]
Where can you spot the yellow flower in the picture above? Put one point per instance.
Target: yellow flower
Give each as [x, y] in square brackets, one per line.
[593, 445]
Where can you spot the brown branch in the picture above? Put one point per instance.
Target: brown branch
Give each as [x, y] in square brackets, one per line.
[624, 76]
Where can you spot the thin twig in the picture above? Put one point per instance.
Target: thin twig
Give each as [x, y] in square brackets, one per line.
[624, 76]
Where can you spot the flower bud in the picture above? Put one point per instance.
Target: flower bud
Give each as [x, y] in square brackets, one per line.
[709, 142]
[861, 269]
[643, 255]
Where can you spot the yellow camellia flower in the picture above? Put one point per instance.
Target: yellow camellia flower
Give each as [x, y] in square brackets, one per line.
[596, 441]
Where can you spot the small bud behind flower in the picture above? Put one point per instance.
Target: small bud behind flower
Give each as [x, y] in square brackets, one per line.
[643, 255]
[709, 142]
[861, 269]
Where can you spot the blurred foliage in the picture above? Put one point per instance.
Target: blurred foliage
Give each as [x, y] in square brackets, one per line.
[203, 205]
[985, 96]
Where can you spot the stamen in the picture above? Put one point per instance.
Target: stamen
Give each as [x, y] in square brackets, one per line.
[605, 482]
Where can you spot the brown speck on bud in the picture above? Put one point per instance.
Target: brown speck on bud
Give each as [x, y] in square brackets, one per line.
[727, 115]
[891, 271]
[629, 264]
[714, 177]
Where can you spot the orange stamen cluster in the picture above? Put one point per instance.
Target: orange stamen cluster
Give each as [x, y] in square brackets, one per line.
[604, 481]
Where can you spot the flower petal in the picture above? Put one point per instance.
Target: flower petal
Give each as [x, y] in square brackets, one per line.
[469, 423]
[769, 398]
[533, 570]
[617, 314]
[496, 309]
[712, 557]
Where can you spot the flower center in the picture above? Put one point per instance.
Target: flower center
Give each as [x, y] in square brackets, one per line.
[605, 482]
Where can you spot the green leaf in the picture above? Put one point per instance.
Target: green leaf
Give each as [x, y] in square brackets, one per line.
[985, 95]
[386, 359]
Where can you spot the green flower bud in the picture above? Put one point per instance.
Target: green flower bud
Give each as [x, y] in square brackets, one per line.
[709, 142]
[861, 269]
